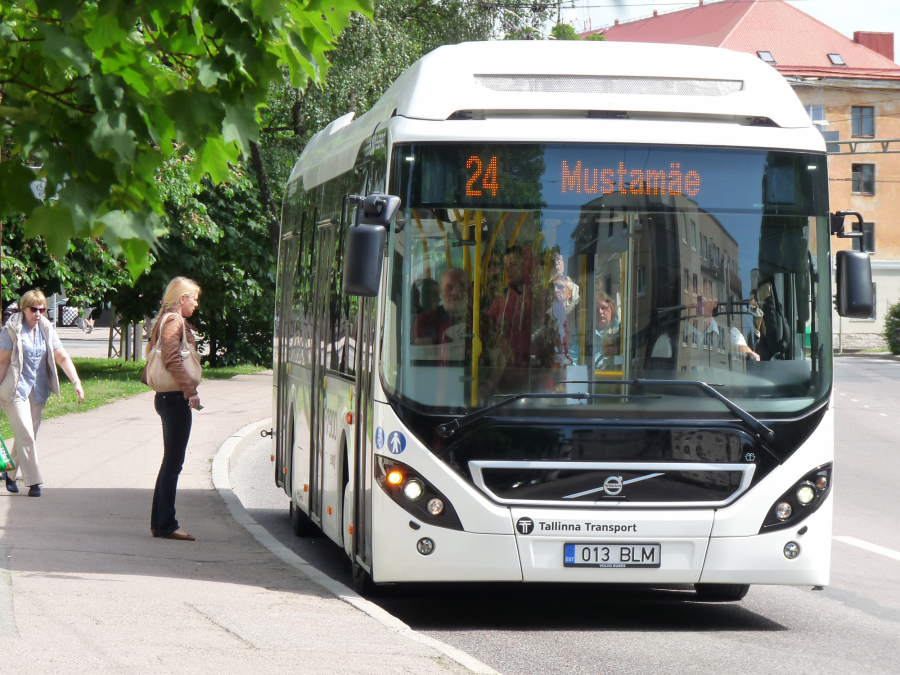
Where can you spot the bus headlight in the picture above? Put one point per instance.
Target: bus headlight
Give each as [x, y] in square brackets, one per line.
[412, 492]
[806, 493]
[783, 511]
[803, 499]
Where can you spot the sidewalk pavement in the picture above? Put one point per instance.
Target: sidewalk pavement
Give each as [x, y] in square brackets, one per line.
[85, 589]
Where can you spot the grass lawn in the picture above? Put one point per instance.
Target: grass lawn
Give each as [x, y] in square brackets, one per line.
[104, 381]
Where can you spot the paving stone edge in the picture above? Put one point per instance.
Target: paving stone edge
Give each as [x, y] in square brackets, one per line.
[221, 477]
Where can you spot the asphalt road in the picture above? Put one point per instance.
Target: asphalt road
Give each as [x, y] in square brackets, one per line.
[853, 626]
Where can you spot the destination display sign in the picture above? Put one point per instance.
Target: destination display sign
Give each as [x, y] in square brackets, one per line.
[582, 175]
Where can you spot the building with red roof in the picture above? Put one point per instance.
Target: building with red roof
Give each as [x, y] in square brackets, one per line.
[851, 89]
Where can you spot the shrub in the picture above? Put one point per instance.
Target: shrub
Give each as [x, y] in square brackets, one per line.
[892, 328]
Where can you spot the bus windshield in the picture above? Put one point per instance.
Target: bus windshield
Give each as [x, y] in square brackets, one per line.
[561, 268]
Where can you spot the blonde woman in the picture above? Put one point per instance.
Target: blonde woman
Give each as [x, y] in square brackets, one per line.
[29, 352]
[173, 407]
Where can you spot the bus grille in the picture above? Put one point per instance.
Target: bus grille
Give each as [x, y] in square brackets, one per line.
[609, 84]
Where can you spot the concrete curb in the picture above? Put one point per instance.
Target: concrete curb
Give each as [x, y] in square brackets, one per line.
[885, 356]
[221, 477]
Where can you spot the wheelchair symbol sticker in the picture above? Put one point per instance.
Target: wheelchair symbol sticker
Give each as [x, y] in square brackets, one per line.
[396, 442]
[379, 438]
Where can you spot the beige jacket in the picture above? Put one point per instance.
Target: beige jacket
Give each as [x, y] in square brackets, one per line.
[11, 381]
[170, 349]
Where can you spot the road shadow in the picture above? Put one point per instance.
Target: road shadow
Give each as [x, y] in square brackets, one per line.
[68, 533]
[526, 607]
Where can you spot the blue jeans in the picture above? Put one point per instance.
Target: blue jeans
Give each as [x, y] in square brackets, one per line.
[175, 413]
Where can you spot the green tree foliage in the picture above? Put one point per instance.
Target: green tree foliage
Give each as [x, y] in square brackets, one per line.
[370, 54]
[95, 95]
[216, 238]
[84, 274]
[563, 31]
[596, 37]
[892, 328]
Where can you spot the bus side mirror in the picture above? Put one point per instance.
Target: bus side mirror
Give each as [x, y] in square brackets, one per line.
[855, 298]
[364, 255]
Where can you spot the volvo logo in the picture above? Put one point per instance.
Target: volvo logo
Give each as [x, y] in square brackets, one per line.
[612, 485]
[525, 525]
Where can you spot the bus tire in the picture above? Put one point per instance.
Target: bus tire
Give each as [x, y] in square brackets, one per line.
[301, 523]
[362, 581]
[721, 592]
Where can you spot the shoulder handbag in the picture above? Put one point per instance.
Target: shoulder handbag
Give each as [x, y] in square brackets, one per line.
[6, 462]
[158, 377]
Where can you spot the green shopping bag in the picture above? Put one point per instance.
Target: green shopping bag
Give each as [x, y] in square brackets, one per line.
[6, 463]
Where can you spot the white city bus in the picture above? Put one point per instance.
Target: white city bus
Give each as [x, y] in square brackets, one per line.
[591, 340]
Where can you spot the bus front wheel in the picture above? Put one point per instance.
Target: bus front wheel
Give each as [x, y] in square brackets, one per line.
[301, 523]
[362, 581]
[721, 592]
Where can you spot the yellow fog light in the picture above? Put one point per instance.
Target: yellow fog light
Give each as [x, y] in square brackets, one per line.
[394, 477]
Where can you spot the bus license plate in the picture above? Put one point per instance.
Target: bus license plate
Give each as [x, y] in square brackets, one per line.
[612, 555]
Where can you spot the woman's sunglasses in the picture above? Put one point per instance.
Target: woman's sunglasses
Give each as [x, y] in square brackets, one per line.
[38, 310]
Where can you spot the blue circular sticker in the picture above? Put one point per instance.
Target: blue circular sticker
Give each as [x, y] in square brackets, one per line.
[379, 438]
[396, 442]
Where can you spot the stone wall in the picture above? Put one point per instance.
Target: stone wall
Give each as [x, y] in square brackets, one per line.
[856, 341]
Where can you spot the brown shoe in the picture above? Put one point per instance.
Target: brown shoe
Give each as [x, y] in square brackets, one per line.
[181, 535]
[154, 533]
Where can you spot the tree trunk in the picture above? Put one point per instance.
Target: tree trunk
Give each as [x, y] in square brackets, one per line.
[265, 195]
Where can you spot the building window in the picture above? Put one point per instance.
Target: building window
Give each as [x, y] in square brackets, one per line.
[766, 56]
[816, 113]
[867, 243]
[641, 281]
[863, 121]
[704, 247]
[610, 231]
[836, 60]
[687, 280]
[863, 179]
[683, 227]
[695, 335]
[693, 235]
[694, 286]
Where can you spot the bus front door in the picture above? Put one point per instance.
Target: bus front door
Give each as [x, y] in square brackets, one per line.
[325, 246]
[284, 424]
[363, 449]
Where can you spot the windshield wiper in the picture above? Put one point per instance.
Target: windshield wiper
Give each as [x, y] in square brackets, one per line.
[749, 420]
[447, 429]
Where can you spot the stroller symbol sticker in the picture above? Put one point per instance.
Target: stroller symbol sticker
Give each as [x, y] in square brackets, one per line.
[379, 438]
[396, 442]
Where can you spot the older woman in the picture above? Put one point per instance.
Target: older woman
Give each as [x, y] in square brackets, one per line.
[173, 407]
[29, 352]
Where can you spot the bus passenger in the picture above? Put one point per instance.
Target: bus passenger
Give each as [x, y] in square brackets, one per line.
[606, 332]
[510, 314]
[572, 290]
[447, 322]
[426, 295]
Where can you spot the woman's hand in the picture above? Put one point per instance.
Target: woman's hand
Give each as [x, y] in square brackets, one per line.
[194, 401]
[79, 391]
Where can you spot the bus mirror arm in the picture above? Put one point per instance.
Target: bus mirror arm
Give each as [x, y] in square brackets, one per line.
[837, 225]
